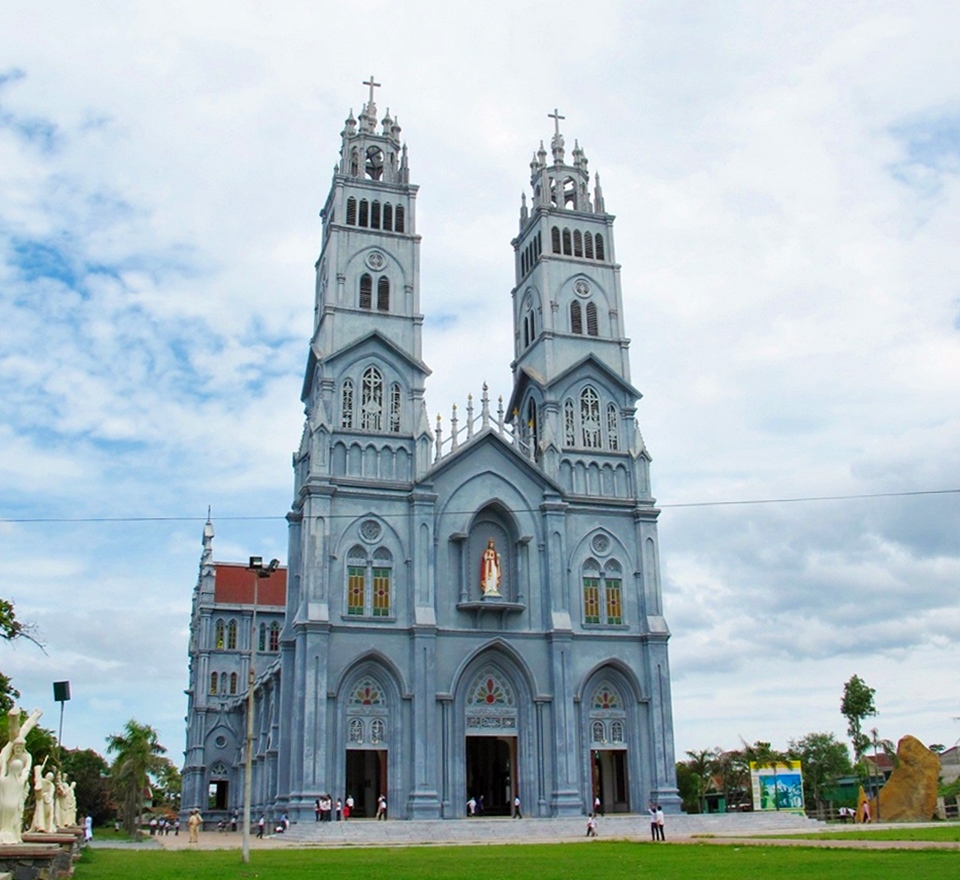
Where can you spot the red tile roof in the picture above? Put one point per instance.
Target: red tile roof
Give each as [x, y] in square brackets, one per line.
[234, 586]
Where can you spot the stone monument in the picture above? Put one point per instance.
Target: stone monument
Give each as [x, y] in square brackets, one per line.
[910, 794]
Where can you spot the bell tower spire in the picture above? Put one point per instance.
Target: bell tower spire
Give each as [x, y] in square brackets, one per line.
[571, 368]
[364, 374]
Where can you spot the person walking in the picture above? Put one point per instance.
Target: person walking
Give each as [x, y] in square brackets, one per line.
[193, 824]
[382, 807]
[516, 808]
[261, 822]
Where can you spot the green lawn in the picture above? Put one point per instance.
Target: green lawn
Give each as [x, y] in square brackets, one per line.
[948, 833]
[609, 860]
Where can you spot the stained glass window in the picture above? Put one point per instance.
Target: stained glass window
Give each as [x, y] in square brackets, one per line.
[219, 635]
[356, 579]
[591, 600]
[614, 601]
[232, 635]
[606, 697]
[367, 693]
[381, 592]
[378, 730]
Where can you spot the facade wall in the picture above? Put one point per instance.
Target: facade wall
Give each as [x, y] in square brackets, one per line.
[398, 672]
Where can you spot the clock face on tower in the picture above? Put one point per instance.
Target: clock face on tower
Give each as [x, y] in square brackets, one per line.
[374, 163]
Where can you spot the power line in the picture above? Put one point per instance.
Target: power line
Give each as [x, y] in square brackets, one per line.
[674, 506]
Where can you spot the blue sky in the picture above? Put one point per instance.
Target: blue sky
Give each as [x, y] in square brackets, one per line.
[786, 180]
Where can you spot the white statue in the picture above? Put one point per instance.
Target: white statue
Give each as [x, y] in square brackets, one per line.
[45, 789]
[490, 570]
[65, 805]
[15, 764]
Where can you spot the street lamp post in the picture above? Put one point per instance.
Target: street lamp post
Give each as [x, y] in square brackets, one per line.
[259, 571]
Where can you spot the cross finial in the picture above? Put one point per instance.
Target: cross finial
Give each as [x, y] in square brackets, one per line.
[555, 116]
[373, 85]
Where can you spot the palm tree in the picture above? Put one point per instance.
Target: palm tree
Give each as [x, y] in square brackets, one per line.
[702, 764]
[138, 754]
[763, 755]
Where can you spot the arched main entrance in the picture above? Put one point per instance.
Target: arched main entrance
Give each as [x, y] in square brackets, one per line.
[491, 747]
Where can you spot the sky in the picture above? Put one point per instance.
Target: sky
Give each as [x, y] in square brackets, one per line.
[786, 182]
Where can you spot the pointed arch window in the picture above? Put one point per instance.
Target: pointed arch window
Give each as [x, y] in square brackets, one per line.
[398, 219]
[567, 247]
[274, 636]
[218, 635]
[346, 404]
[613, 593]
[395, 404]
[371, 400]
[213, 683]
[354, 162]
[388, 216]
[356, 581]
[375, 215]
[602, 605]
[591, 593]
[351, 211]
[569, 424]
[598, 244]
[369, 583]
[576, 318]
[613, 427]
[262, 638]
[232, 636]
[233, 682]
[577, 243]
[366, 291]
[383, 294]
[555, 240]
[532, 427]
[588, 245]
[593, 327]
[590, 418]
[364, 212]
[382, 571]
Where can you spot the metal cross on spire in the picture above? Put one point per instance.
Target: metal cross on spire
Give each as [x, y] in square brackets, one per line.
[555, 116]
[373, 85]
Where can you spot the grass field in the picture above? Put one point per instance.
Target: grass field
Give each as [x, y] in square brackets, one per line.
[605, 860]
[946, 833]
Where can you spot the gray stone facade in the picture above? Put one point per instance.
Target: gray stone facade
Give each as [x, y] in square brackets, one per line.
[398, 671]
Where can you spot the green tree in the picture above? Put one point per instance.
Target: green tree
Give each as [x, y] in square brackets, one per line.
[12, 629]
[137, 754]
[701, 765]
[92, 774]
[856, 705]
[687, 787]
[166, 792]
[733, 777]
[824, 759]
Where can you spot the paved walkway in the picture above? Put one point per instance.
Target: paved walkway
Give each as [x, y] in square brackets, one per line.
[728, 829]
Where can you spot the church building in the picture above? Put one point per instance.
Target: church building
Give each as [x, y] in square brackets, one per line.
[470, 609]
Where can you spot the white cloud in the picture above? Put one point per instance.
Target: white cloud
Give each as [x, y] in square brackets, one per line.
[786, 192]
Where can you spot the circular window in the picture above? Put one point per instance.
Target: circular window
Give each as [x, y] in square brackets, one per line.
[600, 543]
[370, 530]
[221, 741]
[376, 260]
[582, 287]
